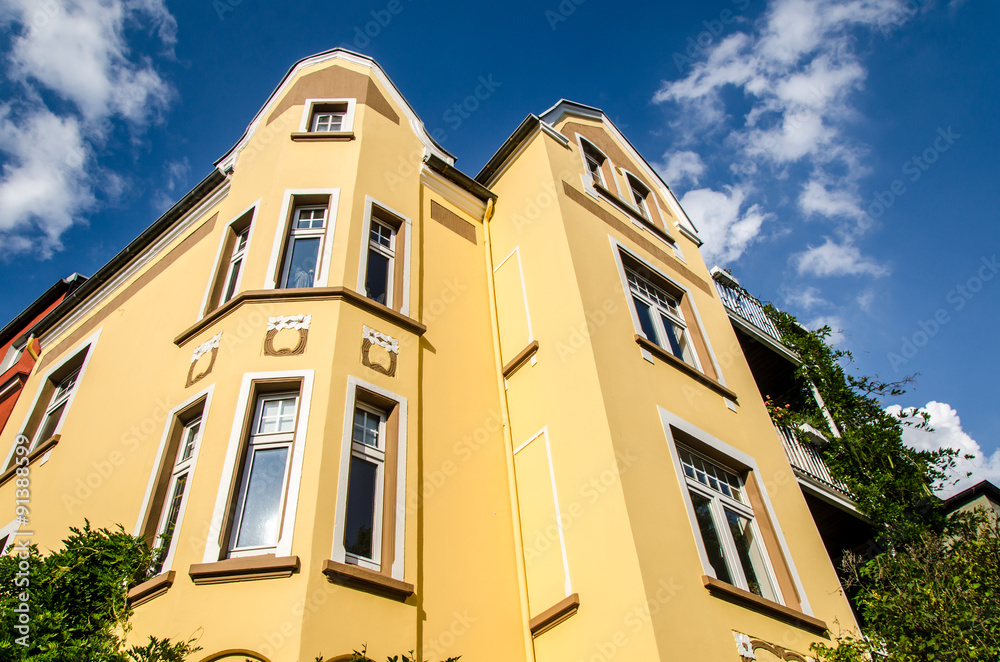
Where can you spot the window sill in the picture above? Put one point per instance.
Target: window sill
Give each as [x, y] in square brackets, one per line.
[554, 615]
[244, 569]
[301, 294]
[520, 359]
[151, 588]
[364, 579]
[42, 449]
[666, 356]
[323, 136]
[633, 212]
[753, 601]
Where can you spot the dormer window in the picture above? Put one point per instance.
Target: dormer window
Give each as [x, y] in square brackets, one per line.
[595, 161]
[327, 120]
[639, 195]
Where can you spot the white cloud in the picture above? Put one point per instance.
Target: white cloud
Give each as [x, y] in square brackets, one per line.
[726, 227]
[836, 259]
[79, 51]
[948, 433]
[836, 324]
[865, 299]
[798, 69]
[682, 166]
[806, 298]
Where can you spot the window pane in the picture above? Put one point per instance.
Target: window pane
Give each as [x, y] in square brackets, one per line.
[50, 423]
[751, 555]
[360, 519]
[377, 277]
[381, 234]
[302, 263]
[277, 415]
[710, 537]
[162, 544]
[261, 507]
[366, 427]
[675, 337]
[188, 440]
[234, 275]
[645, 320]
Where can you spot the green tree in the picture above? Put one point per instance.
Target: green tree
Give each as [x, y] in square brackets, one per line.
[77, 601]
[936, 599]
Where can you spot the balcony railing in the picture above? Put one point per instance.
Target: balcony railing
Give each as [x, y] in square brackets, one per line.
[739, 301]
[804, 457]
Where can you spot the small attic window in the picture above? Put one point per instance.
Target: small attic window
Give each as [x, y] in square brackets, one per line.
[328, 116]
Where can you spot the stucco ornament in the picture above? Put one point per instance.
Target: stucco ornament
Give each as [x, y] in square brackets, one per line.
[206, 347]
[743, 646]
[211, 347]
[295, 322]
[381, 339]
[379, 351]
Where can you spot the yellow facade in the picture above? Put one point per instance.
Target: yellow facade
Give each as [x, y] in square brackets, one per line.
[533, 503]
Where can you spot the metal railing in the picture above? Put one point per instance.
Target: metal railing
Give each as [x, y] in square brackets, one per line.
[806, 458]
[740, 302]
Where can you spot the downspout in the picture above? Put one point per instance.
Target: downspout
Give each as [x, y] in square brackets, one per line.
[508, 442]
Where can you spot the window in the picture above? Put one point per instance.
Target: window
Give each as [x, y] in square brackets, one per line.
[257, 518]
[363, 521]
[726, 525]
[231, 261]
[660, 317]
[595, 162]
[328, 116]
[368, 530]
[235, 269]
[176, 492]
[305, 247]
[326, 119]
[382, 275]
[57, 407]
[639, 194]
[378, 274]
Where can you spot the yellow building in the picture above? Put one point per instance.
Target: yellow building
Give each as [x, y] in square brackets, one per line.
[356, 396]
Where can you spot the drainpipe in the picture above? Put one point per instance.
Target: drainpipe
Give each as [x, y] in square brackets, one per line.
[508, 442]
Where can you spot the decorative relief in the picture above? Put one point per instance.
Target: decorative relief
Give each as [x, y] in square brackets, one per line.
[275, 325]
[211, 347]
[747, 647]
[379, 351]
[744, 647]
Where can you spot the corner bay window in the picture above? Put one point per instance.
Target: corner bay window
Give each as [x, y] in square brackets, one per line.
[256, 520]
[304, 249]
[726, 525]
[176, 493]
[660, 317]
[382, 270]
[363, 520]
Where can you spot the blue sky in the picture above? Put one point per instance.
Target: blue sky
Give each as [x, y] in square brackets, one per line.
[838, 155]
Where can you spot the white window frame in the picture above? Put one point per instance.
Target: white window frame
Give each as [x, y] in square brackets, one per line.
[634, 185]
[404, 228]
[214, 549]
[659, 311]
[59, 401]
[88, 346]
[284, 229]
[190, 437]
[296, 234]
[339, 553]
[719, 503]
[206, 303]
[172, 420]
[375, 456]
[588, 181]
[259, 441]
[618, 250]
[308, 112]
[237, 263]
[740, 463]
[387, 252]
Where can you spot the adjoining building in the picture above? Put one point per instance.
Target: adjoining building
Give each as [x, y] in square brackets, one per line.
[353, 395]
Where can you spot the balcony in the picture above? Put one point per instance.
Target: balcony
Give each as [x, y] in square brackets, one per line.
[808, 463]
[743, 305]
